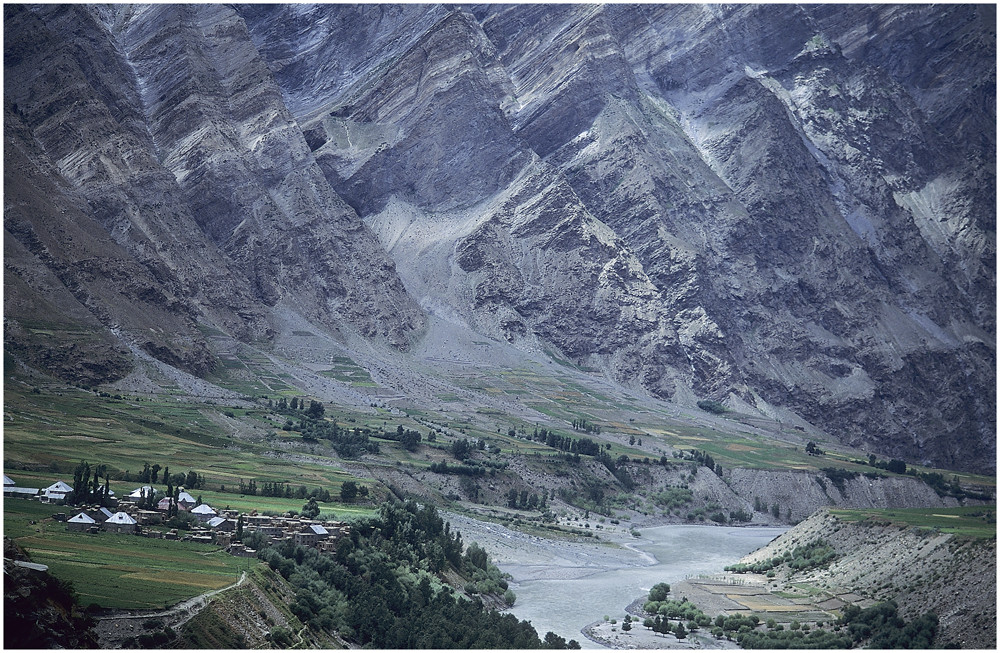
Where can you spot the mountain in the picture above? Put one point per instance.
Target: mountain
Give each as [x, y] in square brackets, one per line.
[788, 209]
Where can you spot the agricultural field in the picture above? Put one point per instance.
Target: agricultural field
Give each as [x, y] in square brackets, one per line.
[54, 431]
[967, 521]
[119, 571]
[344, 369]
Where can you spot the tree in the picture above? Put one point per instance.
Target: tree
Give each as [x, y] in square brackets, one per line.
[626, 626]
[659, 592]
[460, 449]
[98, 470]
[154, 472]
[348, 491]
[316, 409]
[679, 631]
[476, 556]
[311, 509]
[239, 528]
[81, 482]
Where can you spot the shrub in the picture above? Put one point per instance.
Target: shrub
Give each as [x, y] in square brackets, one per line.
[712, 406]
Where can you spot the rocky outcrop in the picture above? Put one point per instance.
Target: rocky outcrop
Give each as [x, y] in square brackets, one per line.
[816, 284]
[799, 494]
[195, 192]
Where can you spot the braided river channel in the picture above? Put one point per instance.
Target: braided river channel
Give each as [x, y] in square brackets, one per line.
[563, 587]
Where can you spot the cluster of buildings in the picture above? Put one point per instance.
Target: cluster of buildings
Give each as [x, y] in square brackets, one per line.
[214, 527]
[55, 493]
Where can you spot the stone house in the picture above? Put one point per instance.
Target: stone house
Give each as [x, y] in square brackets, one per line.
[81, 522]
[204, 512]
[120, 522]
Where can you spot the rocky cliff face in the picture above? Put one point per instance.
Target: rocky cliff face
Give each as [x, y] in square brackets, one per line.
[787, 208]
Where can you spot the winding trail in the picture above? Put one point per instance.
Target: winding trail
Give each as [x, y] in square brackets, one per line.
[185, 609]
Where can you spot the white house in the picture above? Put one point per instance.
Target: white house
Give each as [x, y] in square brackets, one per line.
[204, 512]
[120, 522]
[10, 489]
[55, 492]
[81, 522]
[137, 493]
[186, 500]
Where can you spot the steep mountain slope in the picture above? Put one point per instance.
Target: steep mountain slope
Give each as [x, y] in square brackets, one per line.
[787, 208]
[198, 174]
[920, 568]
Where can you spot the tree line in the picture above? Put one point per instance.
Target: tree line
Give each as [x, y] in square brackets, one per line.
[384, 588]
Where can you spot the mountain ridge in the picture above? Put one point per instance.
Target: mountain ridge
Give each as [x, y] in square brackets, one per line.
[770, 206]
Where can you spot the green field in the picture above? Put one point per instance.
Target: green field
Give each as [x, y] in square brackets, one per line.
[53, 431]
[119, 571]
[968, 521]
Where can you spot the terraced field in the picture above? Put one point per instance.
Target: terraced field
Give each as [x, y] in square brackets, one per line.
[119, 571]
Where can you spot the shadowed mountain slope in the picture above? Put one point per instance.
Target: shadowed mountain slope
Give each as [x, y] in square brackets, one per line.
[785, 208]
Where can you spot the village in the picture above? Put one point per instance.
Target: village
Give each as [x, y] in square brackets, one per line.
[224, 528]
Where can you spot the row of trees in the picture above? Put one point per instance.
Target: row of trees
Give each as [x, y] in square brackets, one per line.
[281, 489]
[409, 438]
[87, 490]
[315, 410]
[585, 426]
[522, 500]
[815, 554]
[151, 474]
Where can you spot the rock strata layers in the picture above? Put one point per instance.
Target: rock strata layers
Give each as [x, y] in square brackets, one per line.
[787, 208]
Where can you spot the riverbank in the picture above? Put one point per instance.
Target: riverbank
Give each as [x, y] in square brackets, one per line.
[530, 557]
[567, 585]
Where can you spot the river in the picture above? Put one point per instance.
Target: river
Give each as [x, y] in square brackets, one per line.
[563, 588]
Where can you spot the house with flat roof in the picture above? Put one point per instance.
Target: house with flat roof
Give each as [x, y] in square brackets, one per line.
[311, 535]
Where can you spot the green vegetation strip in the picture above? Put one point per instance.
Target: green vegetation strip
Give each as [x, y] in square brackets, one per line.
[55, 431]
[968, 521]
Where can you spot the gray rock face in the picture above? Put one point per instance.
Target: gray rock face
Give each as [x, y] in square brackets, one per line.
[165, 123]
[787, 207]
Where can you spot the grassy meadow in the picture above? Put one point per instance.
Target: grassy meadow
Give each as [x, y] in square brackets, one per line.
[119, 571]
[967, 521]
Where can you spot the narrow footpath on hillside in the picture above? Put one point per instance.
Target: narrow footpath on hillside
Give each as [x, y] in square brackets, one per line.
[119, 625]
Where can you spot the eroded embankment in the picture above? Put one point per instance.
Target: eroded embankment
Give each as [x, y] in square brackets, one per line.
[921, 569]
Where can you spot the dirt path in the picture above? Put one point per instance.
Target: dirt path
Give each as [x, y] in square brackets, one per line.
[120, 625]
